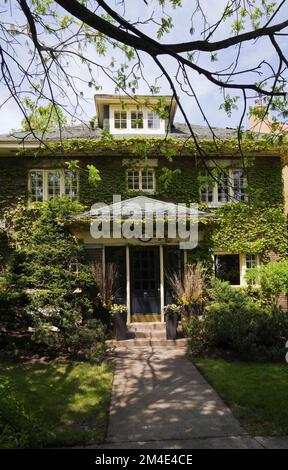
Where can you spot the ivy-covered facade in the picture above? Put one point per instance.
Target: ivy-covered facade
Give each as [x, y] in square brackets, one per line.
[148, 155]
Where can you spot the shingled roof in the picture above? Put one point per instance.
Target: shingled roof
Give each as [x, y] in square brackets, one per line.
[179, 131]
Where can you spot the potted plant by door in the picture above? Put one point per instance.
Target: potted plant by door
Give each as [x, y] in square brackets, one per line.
[171, 315]
[188, 290]
[119, 317]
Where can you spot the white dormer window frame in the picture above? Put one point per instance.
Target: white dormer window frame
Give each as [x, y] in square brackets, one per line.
[135, 121]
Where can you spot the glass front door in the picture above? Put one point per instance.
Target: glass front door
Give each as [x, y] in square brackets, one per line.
[145, 280]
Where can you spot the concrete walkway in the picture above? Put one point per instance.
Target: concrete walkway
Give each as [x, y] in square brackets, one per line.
[160, 400]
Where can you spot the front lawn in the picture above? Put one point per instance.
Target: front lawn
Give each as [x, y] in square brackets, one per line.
[68, 401]
[257, 393]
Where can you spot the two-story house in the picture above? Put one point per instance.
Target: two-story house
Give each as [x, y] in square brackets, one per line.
[148, 145]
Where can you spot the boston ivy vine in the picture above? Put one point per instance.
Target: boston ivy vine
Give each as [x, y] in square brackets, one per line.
[257, 227]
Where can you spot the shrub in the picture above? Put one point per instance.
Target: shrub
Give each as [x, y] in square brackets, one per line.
[237, 323]
[58, 325]
[12, 303]
[89, 343]
[272, 278]
[221, 291]
[50, 264]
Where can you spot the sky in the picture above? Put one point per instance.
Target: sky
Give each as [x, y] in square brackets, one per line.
[208, 95]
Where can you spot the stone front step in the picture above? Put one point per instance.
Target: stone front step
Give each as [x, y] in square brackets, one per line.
[146, 326]
[156, 334]
[152, 343]
[147, 330]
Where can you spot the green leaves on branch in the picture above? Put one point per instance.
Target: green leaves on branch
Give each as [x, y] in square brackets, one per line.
[166, 26]
[41, 118]
[167, 176]
[94, 175]
[229, 104]
[272, 278]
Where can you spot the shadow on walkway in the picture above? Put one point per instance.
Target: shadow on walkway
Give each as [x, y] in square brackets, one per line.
[159, 395]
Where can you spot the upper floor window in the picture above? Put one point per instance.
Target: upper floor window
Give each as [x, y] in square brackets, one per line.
[54, 181]
[120, 120]
[141, 180]
[133, 120]
[136, 120]
[36, 185]
[153, 120]
[47, 184]
[238, 185]
[229, 186]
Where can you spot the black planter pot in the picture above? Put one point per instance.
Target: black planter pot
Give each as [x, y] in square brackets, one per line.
[120, 325]
[171, 319]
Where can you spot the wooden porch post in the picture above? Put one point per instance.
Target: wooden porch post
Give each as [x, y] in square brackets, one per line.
[128, 284]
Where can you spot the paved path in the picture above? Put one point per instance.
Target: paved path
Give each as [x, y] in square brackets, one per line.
[160, 400]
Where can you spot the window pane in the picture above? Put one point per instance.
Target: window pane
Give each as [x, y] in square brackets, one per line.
[206, 195]
[120, 120]
[147, 180]
[238, 186]
[153, 121]
[53, 183]
[206, 191]
[136, 120]
[223, 190]
[250, 261]
[71, 184]
[133, 180]
[227, 268]
[36, 185]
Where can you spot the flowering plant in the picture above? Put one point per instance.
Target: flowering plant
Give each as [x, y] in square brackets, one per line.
[116, 308]
[172, 308]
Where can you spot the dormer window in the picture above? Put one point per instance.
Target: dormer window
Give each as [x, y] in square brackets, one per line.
[134, 115]
[153, 121]
[136, 119]
[120, 120]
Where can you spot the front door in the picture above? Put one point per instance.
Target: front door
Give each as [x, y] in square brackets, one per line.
[145, 283]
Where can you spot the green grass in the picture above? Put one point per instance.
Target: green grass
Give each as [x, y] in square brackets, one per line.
[256, 392]
[69, 400]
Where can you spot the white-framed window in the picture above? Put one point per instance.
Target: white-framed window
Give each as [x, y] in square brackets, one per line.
[141, 180]
[120, 119]
[251, 261]
[54, 182]
[133, 120]
[47, 184]
[232, 267]
[153, 120]
[238, 187]
[137, 120]
[230, 186]
[71, 184]
[36, 185]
